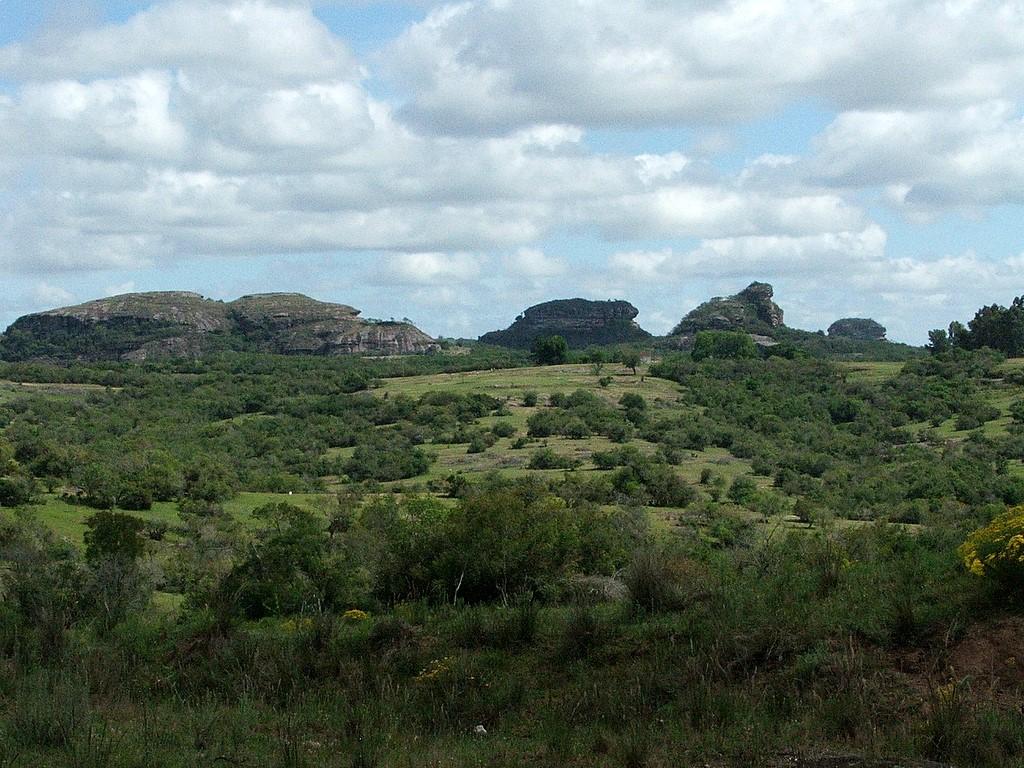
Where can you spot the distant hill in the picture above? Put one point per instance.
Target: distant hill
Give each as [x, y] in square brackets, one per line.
[859, 328]
[143, 326]
[751, 310]
[580, 321]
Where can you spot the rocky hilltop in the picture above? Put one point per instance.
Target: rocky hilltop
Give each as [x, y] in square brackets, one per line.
[142, 326]
[580, 321]
[858, 328]
[751, 310]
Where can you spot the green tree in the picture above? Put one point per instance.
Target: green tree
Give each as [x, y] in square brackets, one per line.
[631, 360]
[114, 535]
[550, 350]
[938, 341]
[723, 345]
[289, 568]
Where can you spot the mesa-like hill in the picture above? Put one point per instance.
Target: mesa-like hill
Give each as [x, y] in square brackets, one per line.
[859, 328]
[580, 322]
[143, 326]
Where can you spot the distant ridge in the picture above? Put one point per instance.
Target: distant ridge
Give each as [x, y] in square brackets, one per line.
[164, 324]
[581, 322]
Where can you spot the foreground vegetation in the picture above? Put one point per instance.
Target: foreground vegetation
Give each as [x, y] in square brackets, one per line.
[257, 561]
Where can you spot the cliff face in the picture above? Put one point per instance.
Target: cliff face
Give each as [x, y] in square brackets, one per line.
[581, 322]
[142, 326]
[859, 328]
[751, 310]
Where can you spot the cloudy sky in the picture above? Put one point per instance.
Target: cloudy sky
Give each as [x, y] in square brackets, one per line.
[456, 162]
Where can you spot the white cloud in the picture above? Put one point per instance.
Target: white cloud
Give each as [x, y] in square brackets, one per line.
[434, 269]
[534, 264]
[117, 119]
[120, 288]
[839, 253]
[47, 294]
[486, 65]
[930, 159]
[256, 40]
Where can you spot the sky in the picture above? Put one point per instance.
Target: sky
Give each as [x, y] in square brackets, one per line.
[456, 162]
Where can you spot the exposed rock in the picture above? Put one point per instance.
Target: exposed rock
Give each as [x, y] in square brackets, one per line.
[142, 326]
[859, 328]
[580, 321]
[751, 310]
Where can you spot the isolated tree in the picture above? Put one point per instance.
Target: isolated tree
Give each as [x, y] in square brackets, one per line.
[550, 350]
[938, 341]
[113, 535]
[631, 360]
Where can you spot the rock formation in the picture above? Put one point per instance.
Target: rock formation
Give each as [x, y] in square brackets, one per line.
[141, 326]
[751, 310]
[858, 328]
[580, 321]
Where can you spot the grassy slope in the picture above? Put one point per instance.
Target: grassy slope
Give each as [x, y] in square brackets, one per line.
[68, 520]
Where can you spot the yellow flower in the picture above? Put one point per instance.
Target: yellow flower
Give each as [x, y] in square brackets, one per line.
[435, 669]
[354, 614]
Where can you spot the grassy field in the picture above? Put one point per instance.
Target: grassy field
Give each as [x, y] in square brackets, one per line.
[545, 380]
[68, 520]
[870, 372]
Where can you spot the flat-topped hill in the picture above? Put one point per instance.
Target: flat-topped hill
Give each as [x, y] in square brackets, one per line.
[581, 322]
[859, 328]
[141, 326]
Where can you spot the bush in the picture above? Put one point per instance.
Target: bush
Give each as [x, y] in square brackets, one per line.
[392, 458]
[503, 429]
[997, 551]
[545, 458]
[530, 399]
[742, 490]
[16, 490]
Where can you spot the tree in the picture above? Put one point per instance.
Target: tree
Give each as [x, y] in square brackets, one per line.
[631, 360]
[723, 345]
[938, 341]
[550, 350]
[288, 569]
[114, 535]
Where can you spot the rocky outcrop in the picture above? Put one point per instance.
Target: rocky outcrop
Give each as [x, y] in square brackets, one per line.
[751, 310]
[858, 328]
[143, 326]
[580, 322]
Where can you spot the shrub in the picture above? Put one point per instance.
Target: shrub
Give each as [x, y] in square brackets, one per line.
[997, 550]
[394, 458]
[503, 429]
[545, 458]
[742, 490]
[530, 399]
[16, 490]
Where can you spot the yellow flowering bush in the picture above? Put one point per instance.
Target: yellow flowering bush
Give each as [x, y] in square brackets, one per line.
[997, 550]
[438, 668]
[294, 625]
[355, 614]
